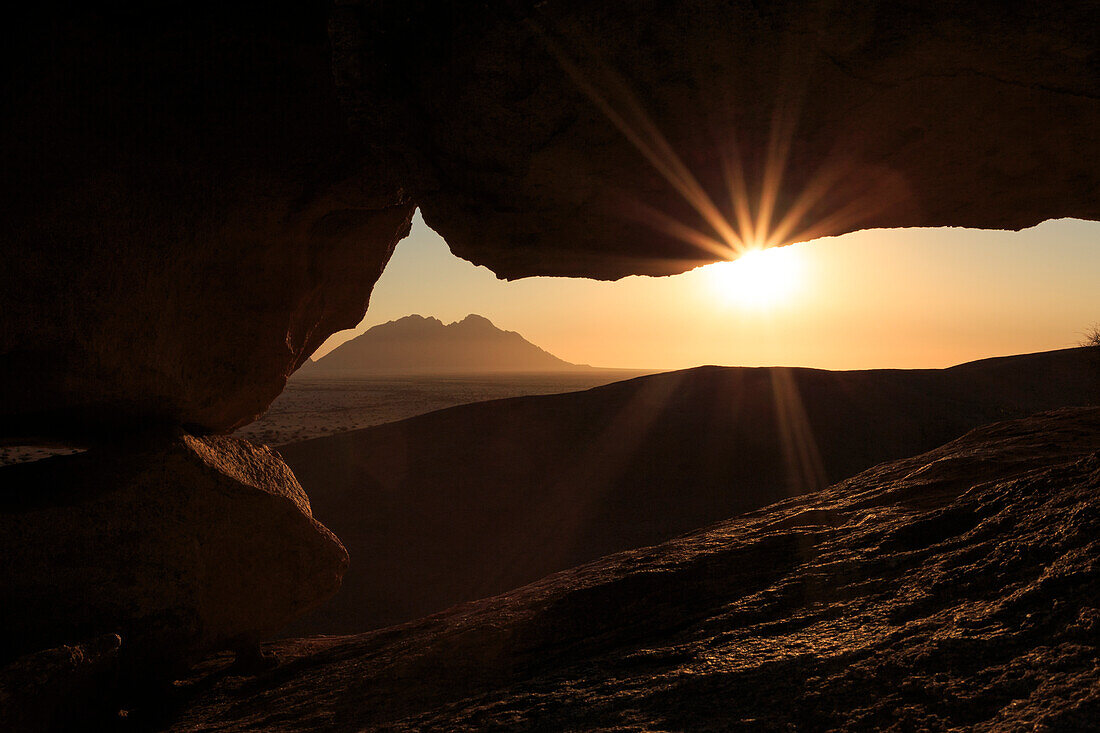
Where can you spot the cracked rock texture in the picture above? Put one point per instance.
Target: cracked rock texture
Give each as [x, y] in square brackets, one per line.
[955, 589]
[188, 214]
[180, 546]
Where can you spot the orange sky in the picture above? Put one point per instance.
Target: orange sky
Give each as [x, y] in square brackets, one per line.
[879, 298]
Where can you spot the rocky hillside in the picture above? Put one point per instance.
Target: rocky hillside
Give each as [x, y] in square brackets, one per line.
[419, 345]
[958, 588]
[476, 500]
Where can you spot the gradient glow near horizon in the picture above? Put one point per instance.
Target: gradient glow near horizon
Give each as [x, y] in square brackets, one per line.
[900, 298]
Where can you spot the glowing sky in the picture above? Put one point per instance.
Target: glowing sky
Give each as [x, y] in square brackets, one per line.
[879, 298]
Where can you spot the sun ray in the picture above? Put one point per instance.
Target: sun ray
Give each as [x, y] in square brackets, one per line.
[676, 228]
[813, 193]
[775, 218]
[805, 469]
[733, 172]
[643, 134]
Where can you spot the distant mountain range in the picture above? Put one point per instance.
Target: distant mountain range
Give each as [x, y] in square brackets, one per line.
[419, 345]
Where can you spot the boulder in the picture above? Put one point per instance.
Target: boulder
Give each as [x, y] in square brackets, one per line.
[180, 545]
[187, 217]
[61, 688]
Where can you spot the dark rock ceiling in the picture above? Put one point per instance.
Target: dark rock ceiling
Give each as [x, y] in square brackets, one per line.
[196, 198]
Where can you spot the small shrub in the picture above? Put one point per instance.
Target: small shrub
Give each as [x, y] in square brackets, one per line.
[1092, 336]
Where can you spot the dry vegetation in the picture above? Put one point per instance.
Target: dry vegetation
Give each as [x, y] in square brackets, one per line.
[1092, 336]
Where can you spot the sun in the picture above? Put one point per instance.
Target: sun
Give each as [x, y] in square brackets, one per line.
[759, 278]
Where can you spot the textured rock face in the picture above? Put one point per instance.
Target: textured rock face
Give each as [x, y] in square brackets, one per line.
[185, 216]
[180, 548]
[65, 688]
[572, 137]
[959, 589]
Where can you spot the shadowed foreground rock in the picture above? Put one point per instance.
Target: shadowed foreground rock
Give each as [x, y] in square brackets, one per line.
[181, 547]
[959, 588]
[61, 688]
[187, 216]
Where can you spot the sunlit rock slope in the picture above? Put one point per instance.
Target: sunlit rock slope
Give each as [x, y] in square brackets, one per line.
[960, 587]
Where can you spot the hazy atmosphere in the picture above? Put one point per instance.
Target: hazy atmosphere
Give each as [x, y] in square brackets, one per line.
[871, 299]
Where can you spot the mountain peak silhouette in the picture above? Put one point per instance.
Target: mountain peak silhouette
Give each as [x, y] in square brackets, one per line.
[417, 344]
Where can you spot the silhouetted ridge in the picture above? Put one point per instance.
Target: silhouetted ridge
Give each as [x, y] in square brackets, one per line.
[471, 501]
[416, 345]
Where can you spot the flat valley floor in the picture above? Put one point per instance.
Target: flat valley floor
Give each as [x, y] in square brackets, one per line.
[311, 407]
